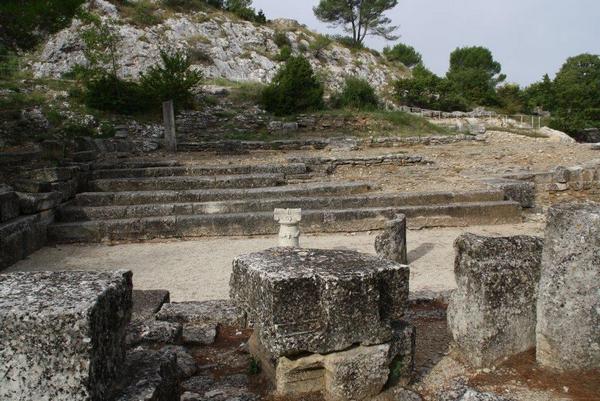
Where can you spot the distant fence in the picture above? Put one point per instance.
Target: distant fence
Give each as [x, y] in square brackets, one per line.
[523, 121]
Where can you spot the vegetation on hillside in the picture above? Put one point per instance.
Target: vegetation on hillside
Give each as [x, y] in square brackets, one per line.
[294, 89]
[404, 54]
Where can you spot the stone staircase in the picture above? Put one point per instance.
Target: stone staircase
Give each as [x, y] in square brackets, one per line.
[137, 200]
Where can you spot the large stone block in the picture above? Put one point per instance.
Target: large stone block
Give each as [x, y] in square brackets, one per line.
[9, 204]
[391, 243]
[492, 313]
[568, 308]
[319, 301]
[61, 334]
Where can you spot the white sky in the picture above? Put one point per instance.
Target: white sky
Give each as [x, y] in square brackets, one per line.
[528, 37]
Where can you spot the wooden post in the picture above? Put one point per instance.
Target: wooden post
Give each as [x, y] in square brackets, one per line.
[169, 121]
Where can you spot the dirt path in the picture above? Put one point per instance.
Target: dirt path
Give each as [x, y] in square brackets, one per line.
[199, 270]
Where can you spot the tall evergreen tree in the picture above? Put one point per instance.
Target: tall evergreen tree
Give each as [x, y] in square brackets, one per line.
[359, 17]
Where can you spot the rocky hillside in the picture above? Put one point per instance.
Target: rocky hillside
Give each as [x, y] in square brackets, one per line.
[225, 48]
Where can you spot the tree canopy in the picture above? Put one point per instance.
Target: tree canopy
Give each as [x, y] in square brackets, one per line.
[475, 74]
[359, 17]
[405, 54]
[577, 93]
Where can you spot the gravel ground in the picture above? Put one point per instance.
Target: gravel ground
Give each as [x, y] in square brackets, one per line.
[199, 270]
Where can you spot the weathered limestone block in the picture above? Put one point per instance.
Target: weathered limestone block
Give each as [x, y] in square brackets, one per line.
[492, 313]
[38, 202]
[201, 319]
[53, 174]
[319, 301]
[62, 334]
[519, 191]
[9, 204]
[568, 308]
[391, 243]
[153, 331]
[149, 376]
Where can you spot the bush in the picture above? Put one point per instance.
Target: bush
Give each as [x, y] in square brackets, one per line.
[320, 43]
[294, 89]
[173, 80]
[284, 54]
[357, 94]
[405, 54]
[144, 14]
[281, 39]
[109, 93]
[348, 42]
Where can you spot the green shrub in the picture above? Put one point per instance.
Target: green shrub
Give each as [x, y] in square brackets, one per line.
[281, 39]
[74, 130]
[320, 43]
[357, 94]
[144, 14]
[405, 54]
[284, 53]
[243, 9]
[348, 42]
[294, 89]
[173, 80]
[109, 93]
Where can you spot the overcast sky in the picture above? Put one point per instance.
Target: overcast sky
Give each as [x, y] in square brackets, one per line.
[528, 37]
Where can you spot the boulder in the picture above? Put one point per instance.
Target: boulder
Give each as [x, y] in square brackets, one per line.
[62, 334]
[319, 301]
[491, 314]
[391, 243]
[556, 136]
[568, 321]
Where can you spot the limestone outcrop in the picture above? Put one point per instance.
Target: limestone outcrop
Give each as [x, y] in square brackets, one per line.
[225, 48]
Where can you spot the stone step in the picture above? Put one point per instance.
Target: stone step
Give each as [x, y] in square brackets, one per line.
[262, 223]
[213, 195]
[133, 164]
[183, 183]
[75, 213]
[193, 170]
